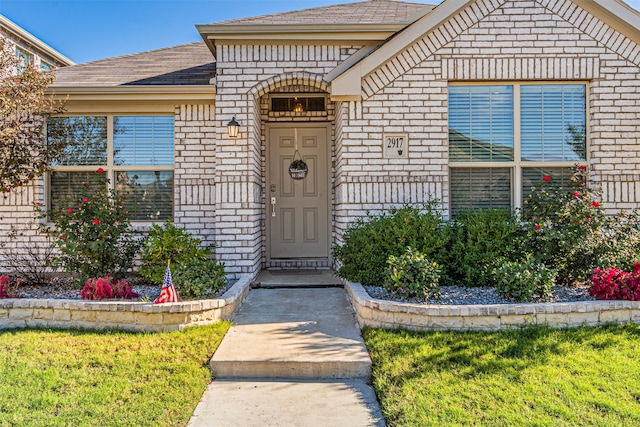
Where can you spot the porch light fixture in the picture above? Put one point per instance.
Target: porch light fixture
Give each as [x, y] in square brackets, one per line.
[233, 127]
[298, 107]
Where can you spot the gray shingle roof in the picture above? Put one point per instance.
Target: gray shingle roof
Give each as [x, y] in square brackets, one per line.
[184, 65]
[366, 12]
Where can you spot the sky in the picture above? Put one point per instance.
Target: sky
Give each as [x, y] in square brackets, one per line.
[88, 30]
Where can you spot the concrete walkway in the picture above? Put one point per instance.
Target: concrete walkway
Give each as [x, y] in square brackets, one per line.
[294, 357]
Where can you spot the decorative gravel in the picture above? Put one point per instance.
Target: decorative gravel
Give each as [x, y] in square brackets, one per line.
[62, 288]
[459, 295]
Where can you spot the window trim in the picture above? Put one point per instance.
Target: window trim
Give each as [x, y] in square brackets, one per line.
[109, 168]
[517, 165]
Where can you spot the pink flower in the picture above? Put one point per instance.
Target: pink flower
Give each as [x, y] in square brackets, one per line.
[595, 204]
[70, 210]
[85, 200]
[537, 227]
[576, 193]
[546, 178]
[100, 170]
[96, 221]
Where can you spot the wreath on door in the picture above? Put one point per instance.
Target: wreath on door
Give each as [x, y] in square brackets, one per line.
[298, 169]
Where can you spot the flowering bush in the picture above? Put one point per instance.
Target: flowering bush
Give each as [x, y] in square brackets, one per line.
[92, 232]
[565, 226]
[569, 231]
[413, 275]
[106, 287]
[616, 284]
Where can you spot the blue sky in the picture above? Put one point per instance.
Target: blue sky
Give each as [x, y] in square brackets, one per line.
[86, 30]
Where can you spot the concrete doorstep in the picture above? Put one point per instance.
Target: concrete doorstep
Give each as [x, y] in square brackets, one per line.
[294, 357]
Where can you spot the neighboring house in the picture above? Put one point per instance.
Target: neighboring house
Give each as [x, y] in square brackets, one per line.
[469, 102]
[30, 49]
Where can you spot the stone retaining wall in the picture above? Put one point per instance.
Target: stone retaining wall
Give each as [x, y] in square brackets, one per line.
[388, 314]
[131, 316]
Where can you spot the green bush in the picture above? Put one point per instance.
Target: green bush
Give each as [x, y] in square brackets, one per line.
[476, 239]
[92, 232]
[523, 280]
[169, 243]
[369, 242]
[198, 278]
[195, 273]
[413, 275]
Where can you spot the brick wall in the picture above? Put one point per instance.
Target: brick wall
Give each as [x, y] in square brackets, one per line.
[494, 40]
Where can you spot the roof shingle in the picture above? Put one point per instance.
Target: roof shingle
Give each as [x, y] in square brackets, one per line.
[365, 12]
[184, 65]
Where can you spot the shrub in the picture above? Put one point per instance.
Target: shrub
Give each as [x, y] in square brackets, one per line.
[169, 243]
[523, 280]
[92, 232]
[7, 290]
[569, 231]
[476, 239]
[97, 289]
[616, 284]
[413, 275]
[566, 226]
[369, 242]
[100, 288]
[197, 278]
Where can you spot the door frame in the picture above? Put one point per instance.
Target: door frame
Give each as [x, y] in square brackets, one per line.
[267, 191]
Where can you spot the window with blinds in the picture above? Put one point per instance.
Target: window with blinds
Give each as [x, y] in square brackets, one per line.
[135, 151]
[504, 138]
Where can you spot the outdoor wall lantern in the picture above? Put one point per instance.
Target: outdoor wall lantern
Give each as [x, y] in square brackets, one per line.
[233, 127]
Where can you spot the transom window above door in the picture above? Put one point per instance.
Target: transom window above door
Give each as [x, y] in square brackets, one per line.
[503, 138]
[297, 103]
[136, 152]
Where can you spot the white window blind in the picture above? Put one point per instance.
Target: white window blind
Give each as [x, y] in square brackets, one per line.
[143, 141]
[480, 188]
[553, 119]
[481, 123]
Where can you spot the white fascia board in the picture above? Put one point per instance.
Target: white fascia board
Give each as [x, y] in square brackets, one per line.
[617, 14]
[30, 38]
[134, 93]
[400, 41]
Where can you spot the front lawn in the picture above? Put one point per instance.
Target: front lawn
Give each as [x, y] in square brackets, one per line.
[85, 378]
[530, 377]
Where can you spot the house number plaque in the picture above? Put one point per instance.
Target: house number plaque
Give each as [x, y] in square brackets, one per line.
[395, 146]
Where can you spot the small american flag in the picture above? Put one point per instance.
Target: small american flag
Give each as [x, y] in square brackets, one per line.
[168, 292]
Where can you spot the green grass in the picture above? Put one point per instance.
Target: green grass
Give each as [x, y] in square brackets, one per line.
[531, 377]
[85, 378]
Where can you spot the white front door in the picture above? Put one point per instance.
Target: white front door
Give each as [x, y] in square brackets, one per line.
[298, 209]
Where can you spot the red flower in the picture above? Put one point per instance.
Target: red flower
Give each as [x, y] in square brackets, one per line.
[595, 204]
[96, 221]
[100, 170]
[588, 216]
[70, 210]
[582, 167]
[537, 227]
[85, 200]
[546, 178]
[38, 204]
[576, 193]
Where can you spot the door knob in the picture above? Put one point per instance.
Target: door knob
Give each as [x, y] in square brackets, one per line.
[273, 206]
